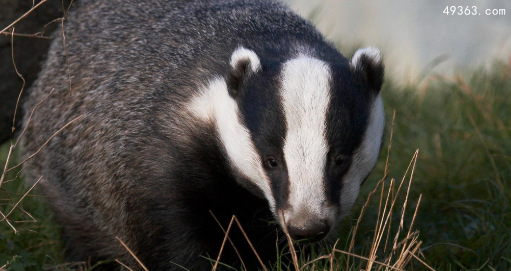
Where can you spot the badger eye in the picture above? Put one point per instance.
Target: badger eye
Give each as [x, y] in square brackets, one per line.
[341, 161]
[271, 162]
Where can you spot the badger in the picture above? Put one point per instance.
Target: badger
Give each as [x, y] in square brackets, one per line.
[193, 108]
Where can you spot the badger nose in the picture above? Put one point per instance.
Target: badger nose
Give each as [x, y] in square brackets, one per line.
[312, 231]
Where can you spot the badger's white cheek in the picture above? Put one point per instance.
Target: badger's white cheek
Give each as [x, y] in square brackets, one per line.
[349, 193]
[214, 104]
[365, 156]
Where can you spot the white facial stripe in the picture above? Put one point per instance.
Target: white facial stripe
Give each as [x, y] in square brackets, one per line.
[364, 157]
[215, 105]
[305, 98]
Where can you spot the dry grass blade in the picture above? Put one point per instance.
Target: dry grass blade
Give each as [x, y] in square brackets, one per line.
[332, 256]
[46, 25]
[45, 143]
[387, 164]
[20, 76]
[123, 265]
[404, 257]
[230, 241]
[19, 201]
[30, 116]
[9, 223]
[250, 243]
[381, 225]
[421, 261]
[352, 242]
[69, 266]
[403, 243]
[388, 232]
[378, 225]
[290, 243]
[65, 51]
[414, 216]
[329, 256]
[234, 218]
[23, 16]
[25, 35]
[132, 254]
[385, 174]
[6, 165]
[223, 244]
[66, 11]
[401, 222]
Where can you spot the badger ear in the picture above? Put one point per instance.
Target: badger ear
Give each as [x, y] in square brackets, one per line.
[244, 62]
[368, 62]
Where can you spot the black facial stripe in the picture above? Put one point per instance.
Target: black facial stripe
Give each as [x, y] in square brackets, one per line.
[280, 186]
[347, 121]
[334, 184]
[263, 115]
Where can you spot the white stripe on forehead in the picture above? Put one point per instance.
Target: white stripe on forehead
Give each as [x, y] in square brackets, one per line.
[365, 156]
[305, 92]
[214, 105]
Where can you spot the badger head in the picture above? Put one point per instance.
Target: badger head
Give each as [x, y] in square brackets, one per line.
[305, 132]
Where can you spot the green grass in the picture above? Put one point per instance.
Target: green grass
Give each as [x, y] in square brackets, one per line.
[36, 243]
[461, 126]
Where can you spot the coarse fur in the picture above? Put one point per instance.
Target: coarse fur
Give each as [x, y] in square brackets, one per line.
[235, 106]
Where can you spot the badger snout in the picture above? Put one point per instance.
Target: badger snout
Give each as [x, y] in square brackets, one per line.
[306, 223]
[312, 230]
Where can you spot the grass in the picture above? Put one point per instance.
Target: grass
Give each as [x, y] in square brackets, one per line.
[34, 243]
[460, 124]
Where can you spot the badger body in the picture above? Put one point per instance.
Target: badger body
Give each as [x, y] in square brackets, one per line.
[236, 107]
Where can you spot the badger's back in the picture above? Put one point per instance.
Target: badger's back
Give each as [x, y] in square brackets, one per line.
[129, 58]
[137, 164]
